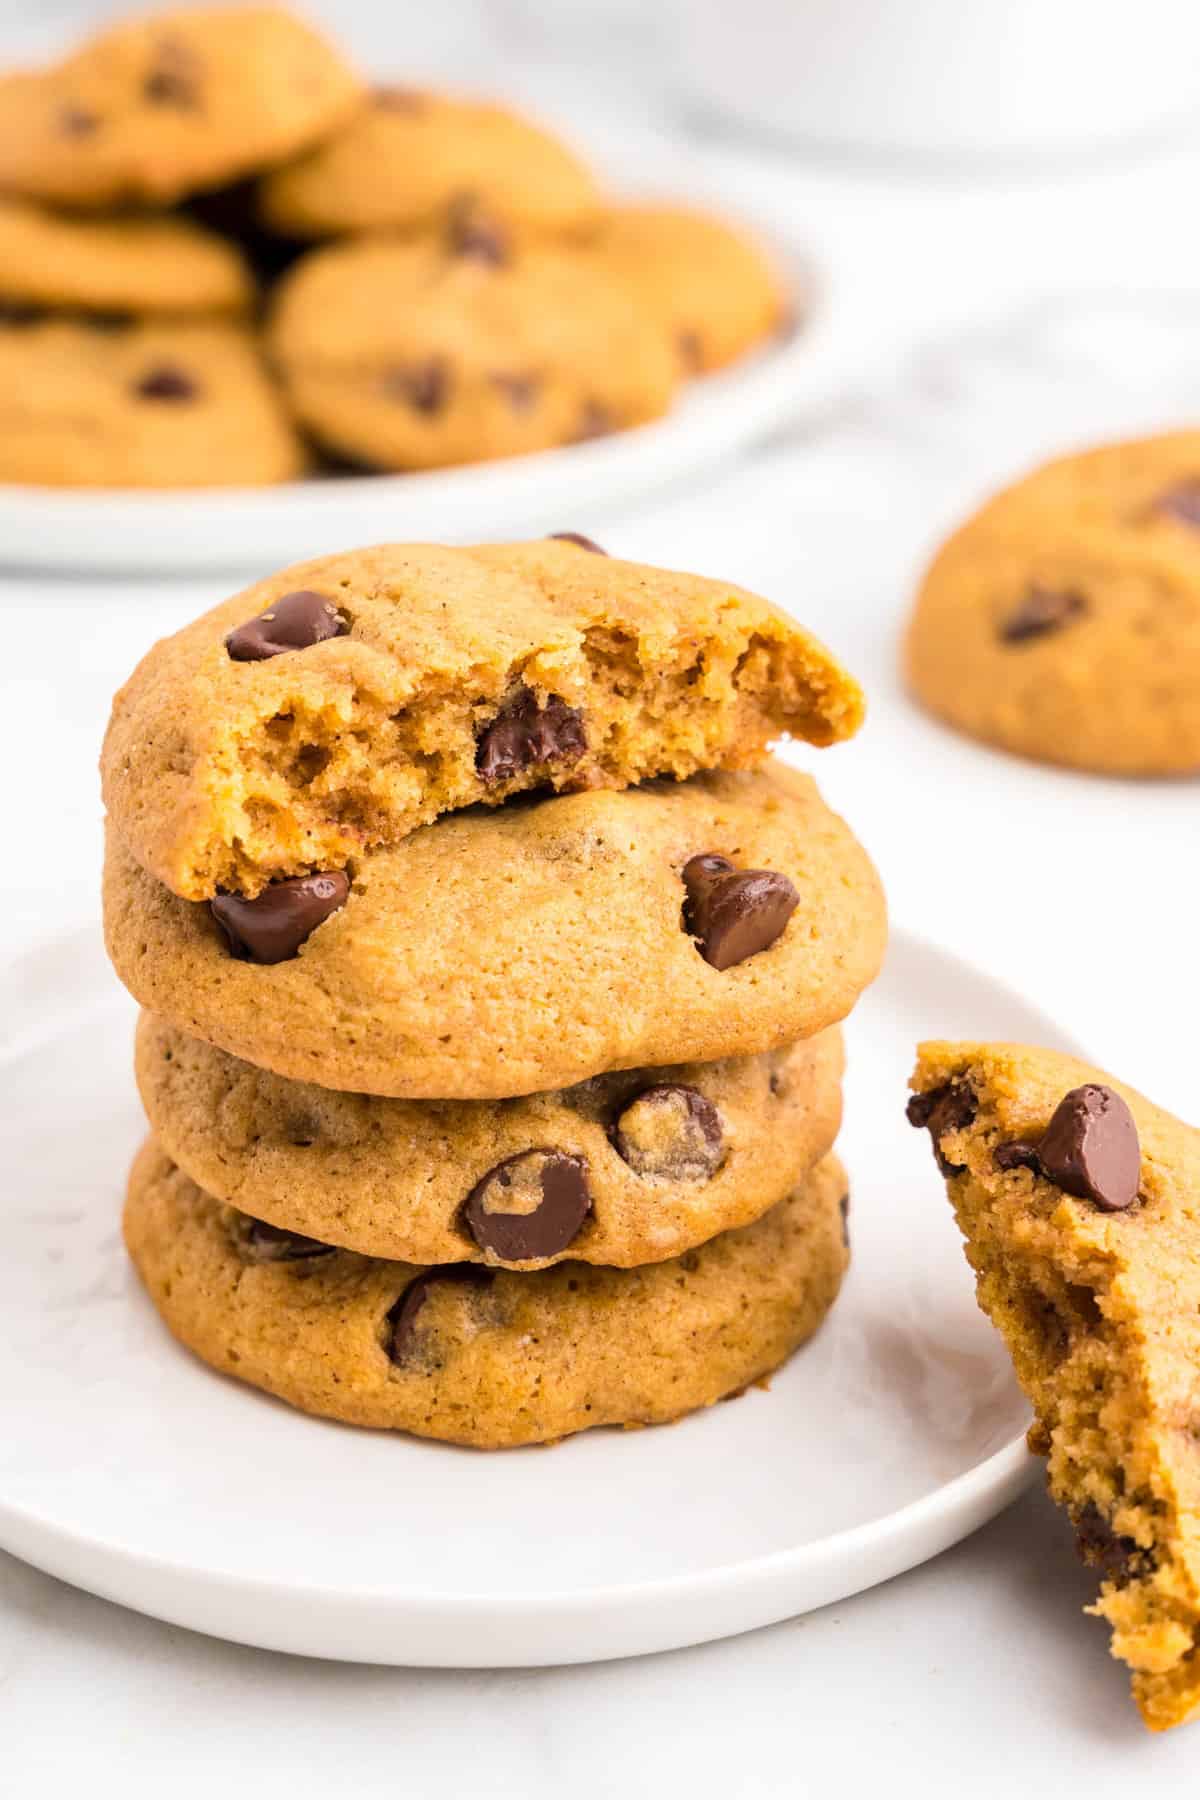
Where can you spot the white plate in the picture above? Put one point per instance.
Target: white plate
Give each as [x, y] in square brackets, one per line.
[714, 419]
[129, 1469]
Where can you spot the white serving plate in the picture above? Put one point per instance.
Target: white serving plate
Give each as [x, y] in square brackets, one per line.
[129, 1469]
[714, 419]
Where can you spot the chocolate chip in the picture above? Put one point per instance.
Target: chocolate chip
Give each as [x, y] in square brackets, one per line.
[577, 537]
[174, 79]
[942, 1110]
[77, 121]
[691, 350]
[398, 99]
[524, 735]
[295, 621]
[1041, 611]
[595, 421]
[671, 1131]
[529, 1206]
[734, 913]
[1091, 1148]
[844, 1209]
[400, 1325]
[1016, 1156]
[1182, 503]
[1119, 1559]
[272, 927]
[165, 381]
[477, 238]
[267, 1243]
[521, 391]
[423, 386]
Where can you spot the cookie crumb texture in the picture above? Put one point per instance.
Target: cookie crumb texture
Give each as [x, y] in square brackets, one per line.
[1062, 622]
[461, 676]
[484, 1358]
[510, 952]
[150, 110]
[392, 1178]
[1099, 1312]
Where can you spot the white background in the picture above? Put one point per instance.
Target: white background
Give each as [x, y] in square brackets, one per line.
[1018, 311]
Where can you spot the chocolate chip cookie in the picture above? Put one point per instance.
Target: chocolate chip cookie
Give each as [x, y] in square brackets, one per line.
[412, 160]
[105, 403]
[476, 1356]
[1062, 622]
[1079, 1202]
[713, 289]
[415, 355]
[346, 701]
[624, 1169]
[510, 952]
[151, 109]
[132, 265]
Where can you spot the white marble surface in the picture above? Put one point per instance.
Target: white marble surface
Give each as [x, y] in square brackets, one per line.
[1014, 315]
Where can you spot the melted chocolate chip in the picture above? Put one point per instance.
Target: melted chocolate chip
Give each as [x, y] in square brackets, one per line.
[525, 735]
[174, 79]
[734, 913]
[1182, 503]
[942, 1110]
[521, 391]
[77, 121]
[1016, 1156]
[1119, 1559]
[272, 927]
[400, 1325]
[423, 386]
[1091, 1148]
[267, 1243]
[577, 537]
[529, 1206]
[1041, 611]
[672, 1132]
[478, 239]
[166, 381]
[295, 621]
[398, 99]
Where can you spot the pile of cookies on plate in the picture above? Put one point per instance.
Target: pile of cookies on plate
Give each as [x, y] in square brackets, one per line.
[492, 976]
[227, 260]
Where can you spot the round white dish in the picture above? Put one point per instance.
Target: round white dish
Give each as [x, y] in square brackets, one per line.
[130, 1470]
[715, 418]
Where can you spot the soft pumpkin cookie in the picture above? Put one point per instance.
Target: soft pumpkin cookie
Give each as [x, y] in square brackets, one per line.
[1062, 621]
[458, 349]
[151, 109]
[621, 1170]
[411, 160]
[108, 404]
[343, 702]
[713, 290]
[482, 1357]
[509, 952]
[130, 265]
[1080, 1205]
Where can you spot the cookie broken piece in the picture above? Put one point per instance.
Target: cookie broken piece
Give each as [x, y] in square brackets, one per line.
[454, 677]
[1088, 1263]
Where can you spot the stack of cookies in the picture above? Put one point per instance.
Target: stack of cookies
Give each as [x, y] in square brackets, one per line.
[492, 977]
[227, 260]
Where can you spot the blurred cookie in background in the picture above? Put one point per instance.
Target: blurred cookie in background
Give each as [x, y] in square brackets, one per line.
[1062, 621]
[409, 160]
[105, 403]
[712, 287]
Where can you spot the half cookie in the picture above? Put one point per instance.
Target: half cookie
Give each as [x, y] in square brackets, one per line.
[475, 1356]
[1080, 1205]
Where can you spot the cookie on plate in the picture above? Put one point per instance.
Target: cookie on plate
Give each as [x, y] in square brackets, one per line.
[105, 403]
[509, 952]
[418, 354]
[1062, 622]
[409, 160]
[476, 1356]
[624, 1169]
[151, 109]
[345, 701]
[1080, 1205]
[152, 264]
[714, 291]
